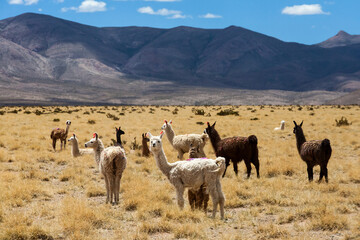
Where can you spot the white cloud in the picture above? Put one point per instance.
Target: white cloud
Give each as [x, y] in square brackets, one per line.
[171, 14]
[40, 10]
[305, 9]
[210, 15]
[26, 2]
[87, 6]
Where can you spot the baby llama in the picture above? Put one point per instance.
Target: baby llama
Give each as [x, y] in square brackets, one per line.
[191, 174]
[197, 198]
[181, 143]
[282, 126]
[315, 152]
[59, 133]
[144, 146]
[112, 163]
[235, 149]
[75, 151]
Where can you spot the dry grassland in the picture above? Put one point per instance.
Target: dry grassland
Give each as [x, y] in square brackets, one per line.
[47, 195]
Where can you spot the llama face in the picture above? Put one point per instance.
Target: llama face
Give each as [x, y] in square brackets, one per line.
[155, 142]
[144, 138]
[209, 128]
[72, 139]
[93, 143]
[297, 128]
[68, 123]
[119, 131]
[166, 124]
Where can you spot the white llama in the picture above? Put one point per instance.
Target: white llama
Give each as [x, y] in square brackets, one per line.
[282, 126]
[191, 174]
[181, 143]
[75, 151]
[112, 163]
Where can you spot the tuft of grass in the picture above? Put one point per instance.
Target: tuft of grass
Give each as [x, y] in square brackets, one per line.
[91, 121]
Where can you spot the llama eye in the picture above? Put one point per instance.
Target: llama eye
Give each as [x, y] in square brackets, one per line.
[158, 141]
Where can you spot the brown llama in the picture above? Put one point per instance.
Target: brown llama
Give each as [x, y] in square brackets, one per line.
[235, 149]
[59, 133]
[315, 152]
[199, 197]
[144, 146]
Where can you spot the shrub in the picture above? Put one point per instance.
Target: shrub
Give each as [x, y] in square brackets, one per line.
[228, 112]
[56, 120]
[38, 112]
[91, 121]
[113, 117]
[342, 122]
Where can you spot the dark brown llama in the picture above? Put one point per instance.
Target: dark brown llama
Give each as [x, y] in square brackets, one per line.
[144, 146]
[315, 152]
[197, 199]
[59, 133]
[119, 132]
[235, 149]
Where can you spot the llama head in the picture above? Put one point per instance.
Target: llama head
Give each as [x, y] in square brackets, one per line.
[166, 124]
[72, 138]
[194, 150]
[68, 123]
[210, 128]
[155, 142]
[297, 128]
[119, 131]
[93, 143]
[145, 139]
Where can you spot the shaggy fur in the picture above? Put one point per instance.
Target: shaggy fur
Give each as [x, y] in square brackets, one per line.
[191, 174]
[75, 151]
[235, 149]
[59, 133]
[181, 143]
[112, 163]
[316, 152]
[282, 126]
[119, 132]
[144, 146]
[197, 199]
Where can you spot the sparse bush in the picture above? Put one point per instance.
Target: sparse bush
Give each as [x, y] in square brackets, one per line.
[228, 112]
[38, 112]
[200, 123]
[199, 112]
[342, 122]
[56, 120]
[87, 113]
[91, 121]
[113, 117]
[2, 112]
[254, 119]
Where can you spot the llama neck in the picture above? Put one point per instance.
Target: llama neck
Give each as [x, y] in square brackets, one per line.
[67, 130]
[162, 163]
[118, 139]
[214, 139]
[300, 139]
[98, 151]
[75, 148]
[170, 134]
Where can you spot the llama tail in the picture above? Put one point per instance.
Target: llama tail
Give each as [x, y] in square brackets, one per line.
[325, 145]
[220, 161]
[253, 139]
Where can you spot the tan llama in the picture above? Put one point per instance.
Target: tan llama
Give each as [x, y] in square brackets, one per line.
[60, 133]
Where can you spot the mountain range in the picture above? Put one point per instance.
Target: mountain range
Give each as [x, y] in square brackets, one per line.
[44, 59]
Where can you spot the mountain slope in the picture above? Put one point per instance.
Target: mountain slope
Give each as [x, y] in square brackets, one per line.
[340, 39]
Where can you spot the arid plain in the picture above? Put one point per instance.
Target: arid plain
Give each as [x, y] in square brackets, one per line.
[51, 195]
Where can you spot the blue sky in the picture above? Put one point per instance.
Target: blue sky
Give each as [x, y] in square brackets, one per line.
[300, 21]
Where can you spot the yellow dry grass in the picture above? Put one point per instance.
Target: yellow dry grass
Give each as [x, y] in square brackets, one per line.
[50, 195]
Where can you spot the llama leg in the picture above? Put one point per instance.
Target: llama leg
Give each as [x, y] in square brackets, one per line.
[235, 165]
[257, 167]
[227, 163]
[61, 144]
[112, 188]
[54, 144]
[321, 173]
[326, 174]
[221, 198]
[107, 188]
[214, 198]
[310, 173]
[206, 200]
[191, 198]
[64, 144]
[179, 193]
[117, 188]
[248, 168]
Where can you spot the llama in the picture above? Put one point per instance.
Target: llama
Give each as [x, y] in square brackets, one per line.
[181, 143]
[112, 163]
[75, 151]
[144, 146]
[59, 133]
[235, 149]
[119, 132]
[191, 174]
[200, 197]
[315, 152]
[282, 126]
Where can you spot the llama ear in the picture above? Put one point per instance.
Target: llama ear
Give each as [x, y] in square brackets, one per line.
[166, 121]
[116, 129]
[95, 135]
[213, 124]
[208, 124]
[119, 127]
[74, 134]
[170, 121]
[161, 134]
[149, 135]
[295, 123]
[301, 123]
